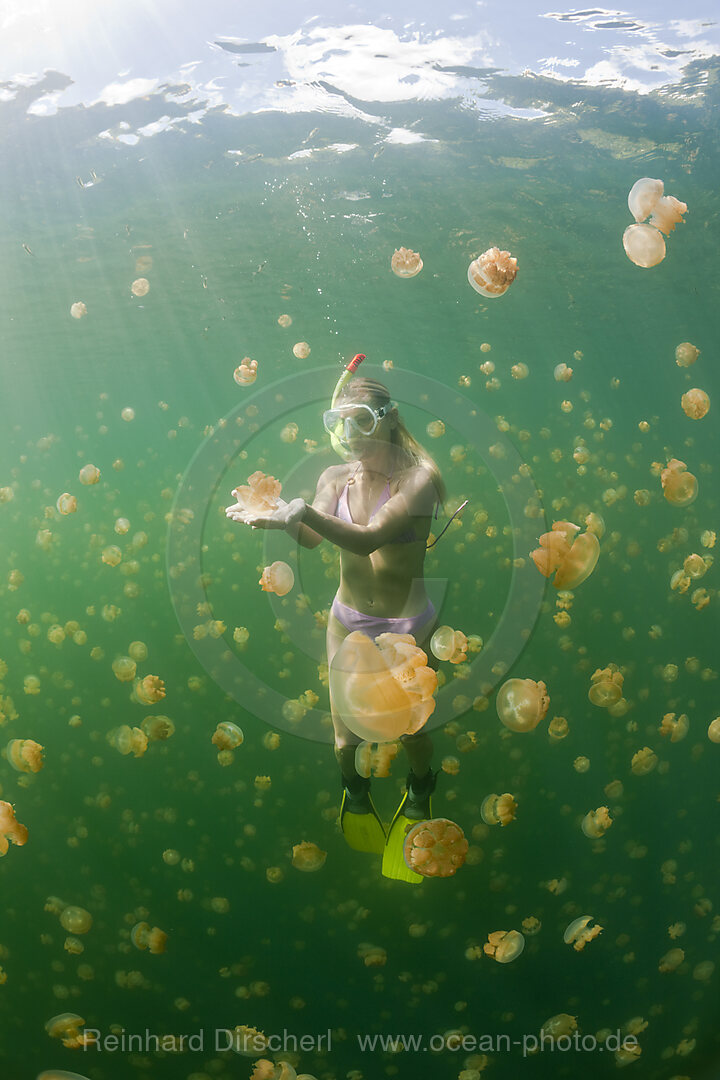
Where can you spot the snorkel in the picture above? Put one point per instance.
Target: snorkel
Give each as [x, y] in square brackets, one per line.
[338, 443]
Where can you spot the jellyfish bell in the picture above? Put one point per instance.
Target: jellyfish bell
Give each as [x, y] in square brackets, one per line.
[406, 263]
[606, 686]
[76, 920]
[11, 831]
[66, 503]
[504, 945]
[679, 486]
[579, 932]
[382, 689]
[643, 197]
[308, 857]
[449, 644]
[140, 287]
[259, 496]
[521, 704]
[277, 578]
[714, 730]
[498, 809]
[644, 245]
[695, 403]
[571, 557]
[492, 273]
[89, 474]
[686, 354]
[596, 822]
[246, 372]
[435, 848]
[301, 350]
[78, 309]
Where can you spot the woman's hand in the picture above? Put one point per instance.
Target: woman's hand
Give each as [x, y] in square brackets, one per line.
[285, 515]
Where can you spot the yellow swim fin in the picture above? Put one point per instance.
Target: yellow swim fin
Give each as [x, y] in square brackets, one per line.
[361, 826]
[393, 864]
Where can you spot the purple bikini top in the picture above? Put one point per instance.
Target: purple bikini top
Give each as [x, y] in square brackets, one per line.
[342, 511]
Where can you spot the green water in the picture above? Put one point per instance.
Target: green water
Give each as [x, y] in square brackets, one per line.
[235, 243]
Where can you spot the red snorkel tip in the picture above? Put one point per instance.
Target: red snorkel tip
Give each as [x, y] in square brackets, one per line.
[356, 362]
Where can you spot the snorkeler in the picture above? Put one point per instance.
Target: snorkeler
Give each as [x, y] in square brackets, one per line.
[393, 486]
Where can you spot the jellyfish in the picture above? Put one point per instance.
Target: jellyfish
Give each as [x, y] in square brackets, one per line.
[679, 486]
[112, 555]
[644, 245]
[558, 1025]
[246, 372]
[695, 403]
[504, 945]
[435, 429]
[227, 737]
[579, 932]
[259, 497]
[158, 728]
[301, 350]
[60, 1074]
[127, 414]
[78, 309]
[606, 688]
[571, 557]
[406, 263]
[686, 354]
[25, 755]
[493, 272]
[382, 690]
[521, 704]
[596, 822]
[148, 690]
[76, 920]
[677, 729]
[277, 578]
[66, 1026]
[143, 937]
[646, 198]
[449, 644]
[563, 373]
[435, 848]
[644, 761]
[140, 287]
[11, 831]
[714, 730]
[124, 668]
[308, 857]
[498, 809]
[285, 321]
[127, 740]
[67, 503]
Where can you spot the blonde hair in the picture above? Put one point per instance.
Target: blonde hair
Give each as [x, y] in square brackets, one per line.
[379, 395]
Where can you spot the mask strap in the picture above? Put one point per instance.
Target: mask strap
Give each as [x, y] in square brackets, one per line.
[448, 524]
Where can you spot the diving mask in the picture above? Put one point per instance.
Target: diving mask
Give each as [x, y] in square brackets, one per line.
[356, 418]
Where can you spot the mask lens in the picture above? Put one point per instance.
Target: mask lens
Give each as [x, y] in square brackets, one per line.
[363, 418]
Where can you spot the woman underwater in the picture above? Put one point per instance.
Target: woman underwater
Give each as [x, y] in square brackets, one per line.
[377, 509]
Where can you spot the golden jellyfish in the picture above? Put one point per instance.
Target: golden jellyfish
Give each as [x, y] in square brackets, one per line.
[671, 961]
[563, 373]
[676, 728]
[308, 857]
[449, 644]
[121, 526]
[646, 198]
[606, 688]
[504, 945]
[140, 287]
[11, 831]
[76, 920]
[644, 761]
[149, 690]
[405, 263]
[277, 578]
[644, 245]
[301, 350]
[285, 321]
[714, 730]
[498, 809]
[558, 728]
[259, 497]
[124, 668]
[579, 932]
[493, 272]
[112, 555]
[521, 704]
[246, 372]
[227, 736]
[435, 848]
[519, 371]
[66, 1026]
[435, 429]
[128, 414]
[695, 403]
[127, 740]
[31, 685]
[570, 557]
[703, 971]
[158, 728]
[596, 822]
[558, 1025]
[384, 689]
[151, 938]
[686, 354]
[67, 503]
[60, 1074]
[78, 309]
[25, 755]
[679, 486]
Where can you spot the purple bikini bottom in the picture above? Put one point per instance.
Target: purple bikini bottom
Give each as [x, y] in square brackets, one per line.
[417, 625]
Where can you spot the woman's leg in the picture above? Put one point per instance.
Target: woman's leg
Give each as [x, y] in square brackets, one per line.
[419, 747]
[346, 742]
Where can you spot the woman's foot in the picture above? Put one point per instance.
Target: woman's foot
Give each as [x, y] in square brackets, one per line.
[419, 789]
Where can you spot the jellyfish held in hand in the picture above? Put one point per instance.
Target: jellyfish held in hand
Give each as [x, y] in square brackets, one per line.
[259, 497]
[384, 689]
[435, 848]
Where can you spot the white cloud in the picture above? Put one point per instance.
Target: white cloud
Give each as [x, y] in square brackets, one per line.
[121, 93]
